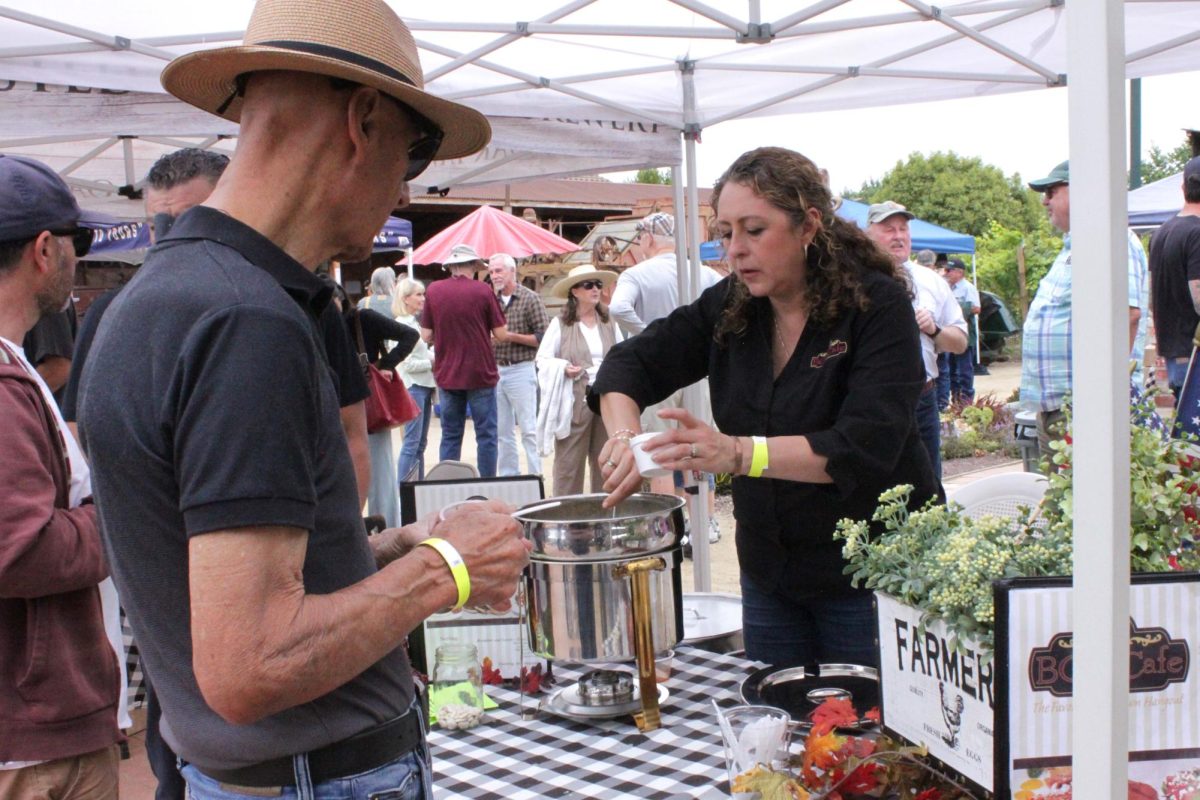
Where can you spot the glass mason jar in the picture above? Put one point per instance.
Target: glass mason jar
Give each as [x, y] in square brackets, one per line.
[456, 688]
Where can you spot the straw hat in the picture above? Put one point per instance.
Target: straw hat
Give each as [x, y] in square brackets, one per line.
[358, 40]
[584, 272]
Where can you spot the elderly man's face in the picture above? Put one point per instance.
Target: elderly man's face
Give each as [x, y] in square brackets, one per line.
[502, 276]
[176, 200]
[1057, 200]
[893, 236]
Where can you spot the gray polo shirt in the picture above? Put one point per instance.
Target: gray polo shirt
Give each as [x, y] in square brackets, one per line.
[207, 404]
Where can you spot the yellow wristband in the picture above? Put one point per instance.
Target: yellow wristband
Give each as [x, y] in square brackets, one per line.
[759, 459]
[458, 567]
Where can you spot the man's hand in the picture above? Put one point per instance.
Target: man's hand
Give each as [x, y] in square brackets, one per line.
[393, 543]
[925, 321]
[493, 546]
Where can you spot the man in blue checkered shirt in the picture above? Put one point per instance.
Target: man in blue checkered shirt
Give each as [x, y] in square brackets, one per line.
[1046, 339]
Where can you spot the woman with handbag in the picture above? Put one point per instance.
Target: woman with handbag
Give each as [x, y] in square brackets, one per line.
[417, 372]
[571, 351]
[372, 331]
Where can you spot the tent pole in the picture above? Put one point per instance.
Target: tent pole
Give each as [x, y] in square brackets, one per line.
[694, 395]
[1100, 357]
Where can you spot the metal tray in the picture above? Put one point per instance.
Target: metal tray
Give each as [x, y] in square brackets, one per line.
[565, 702]
[799, 691]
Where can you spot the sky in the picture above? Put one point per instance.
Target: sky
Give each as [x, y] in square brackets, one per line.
[1023, 132]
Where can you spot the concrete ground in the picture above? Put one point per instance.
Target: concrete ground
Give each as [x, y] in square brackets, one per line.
[137, 782]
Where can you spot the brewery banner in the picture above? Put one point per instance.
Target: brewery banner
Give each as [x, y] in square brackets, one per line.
[1034, 698]
[936, 693]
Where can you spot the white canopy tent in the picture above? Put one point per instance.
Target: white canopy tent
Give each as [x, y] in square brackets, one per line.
[685, 65]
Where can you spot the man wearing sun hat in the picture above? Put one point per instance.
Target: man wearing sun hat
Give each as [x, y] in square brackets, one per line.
[274, 628]
[59, 675]
[461, 319]
[649, 291]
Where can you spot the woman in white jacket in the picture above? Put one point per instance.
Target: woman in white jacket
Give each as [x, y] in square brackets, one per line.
[577, 340]
[417, 372]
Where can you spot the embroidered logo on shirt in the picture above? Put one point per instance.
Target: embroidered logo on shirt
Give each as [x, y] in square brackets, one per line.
[836, 348]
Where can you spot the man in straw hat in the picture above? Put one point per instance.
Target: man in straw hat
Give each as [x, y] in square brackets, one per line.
[273, 626]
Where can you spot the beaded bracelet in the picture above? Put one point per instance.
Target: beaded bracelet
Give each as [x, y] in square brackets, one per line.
[624, 434]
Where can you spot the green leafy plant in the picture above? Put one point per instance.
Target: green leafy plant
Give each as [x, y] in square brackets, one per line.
[944, 562]
[981, 426]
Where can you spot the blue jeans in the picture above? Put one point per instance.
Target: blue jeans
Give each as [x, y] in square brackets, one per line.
[792, 632]
[454, 420]
[416, 434]
[516, 405]
[943, 381]
[956, 378]
[407, 778]
[383, 498]
[929, 427]
[1176, 373]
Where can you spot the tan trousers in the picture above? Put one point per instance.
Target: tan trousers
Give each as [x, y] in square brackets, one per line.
[92, 776]
[582, 446]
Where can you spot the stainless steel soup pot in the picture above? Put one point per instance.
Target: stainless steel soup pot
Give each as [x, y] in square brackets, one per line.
[579, 609]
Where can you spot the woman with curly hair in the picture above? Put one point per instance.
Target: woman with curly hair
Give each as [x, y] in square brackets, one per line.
[812, 354]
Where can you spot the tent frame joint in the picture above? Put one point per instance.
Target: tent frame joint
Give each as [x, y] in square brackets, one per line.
[691, 131]
[1060, 80]
[122, 43]
[756, 33]
[130, 191]
[523, 29]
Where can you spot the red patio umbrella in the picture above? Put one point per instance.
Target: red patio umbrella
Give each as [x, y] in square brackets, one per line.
[490, 230]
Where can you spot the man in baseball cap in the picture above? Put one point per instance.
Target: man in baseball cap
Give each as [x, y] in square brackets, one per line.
[938, 317]
[273, 627]
[59, 674]
[1046, 337]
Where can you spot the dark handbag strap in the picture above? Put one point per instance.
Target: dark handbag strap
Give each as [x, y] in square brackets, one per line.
[362, 349]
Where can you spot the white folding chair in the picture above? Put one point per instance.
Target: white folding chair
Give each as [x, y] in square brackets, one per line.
[450, 470]
[1000, 495]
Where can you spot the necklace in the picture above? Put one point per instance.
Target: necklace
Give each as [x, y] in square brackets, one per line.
[784, 352]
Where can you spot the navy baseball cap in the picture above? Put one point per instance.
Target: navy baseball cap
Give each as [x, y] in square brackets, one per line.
[34, 198]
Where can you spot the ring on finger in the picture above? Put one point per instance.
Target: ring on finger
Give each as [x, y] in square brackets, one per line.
[693, 451]
[610, 464]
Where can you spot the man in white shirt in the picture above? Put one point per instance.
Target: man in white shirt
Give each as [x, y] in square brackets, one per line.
[938, 316]
[956, 372]
[649, 291]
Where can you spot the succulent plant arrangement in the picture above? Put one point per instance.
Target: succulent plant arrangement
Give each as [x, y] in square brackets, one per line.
[943, 562]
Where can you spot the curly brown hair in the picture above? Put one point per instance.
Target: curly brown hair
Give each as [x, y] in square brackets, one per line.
[570, 312]
[840, 252]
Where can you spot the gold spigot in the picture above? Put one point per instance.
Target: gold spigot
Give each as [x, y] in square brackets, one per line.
[649, 718]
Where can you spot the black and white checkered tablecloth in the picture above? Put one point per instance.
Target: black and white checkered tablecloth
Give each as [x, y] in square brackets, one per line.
[554, 757]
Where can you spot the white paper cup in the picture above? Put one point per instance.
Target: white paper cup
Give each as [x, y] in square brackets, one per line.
[645, 461]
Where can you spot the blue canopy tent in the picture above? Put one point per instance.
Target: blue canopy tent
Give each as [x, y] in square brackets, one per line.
[925, 235]
[128, 238]
[1153, 204]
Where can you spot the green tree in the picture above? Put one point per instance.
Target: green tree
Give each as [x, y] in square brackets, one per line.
[959, 193]
[1162, 164]
[996, 260]
[649, 175]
